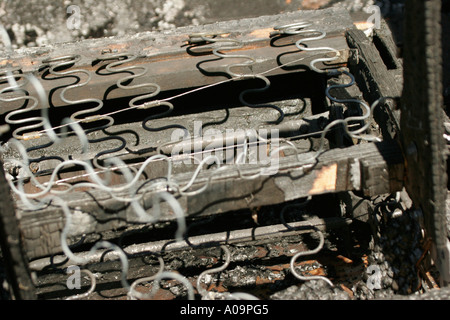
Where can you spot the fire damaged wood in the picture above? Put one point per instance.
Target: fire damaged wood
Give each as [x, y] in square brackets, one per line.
[422, 125]
[97, 214]
[378, 77]
[251, 236]
[169, 61]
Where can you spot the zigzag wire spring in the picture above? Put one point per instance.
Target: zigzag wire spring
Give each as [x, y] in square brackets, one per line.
[5, 38]
[58, 201]
[94, 118]
[161, 274]
[203, 292]
[299, 28]
[124, 58]
[45, 189]
[113, 67]
[296, 28]
[108, 245]
[310, 252]
[35, 122]
[264, 170]
[30, 130]
[235, 44]
[155, 104]
[296, 206]
[152, 103]
[133, 294]
[125, 268]
[10, 76]
[182, 191]
[130, 186]
[157, 197]
[358, 133]
[199, 38]
[169, 184]
[55, 64]
[165, 196]
[98, 183]
[122, 255]
[99, 245]
[44, 122]
[62, 203]
[27, 132]
[120, 83]
[4, 128]
[68, 253]
[300, 44]
[68, 61]
[208, 295]
[336, 72]
[43, 119]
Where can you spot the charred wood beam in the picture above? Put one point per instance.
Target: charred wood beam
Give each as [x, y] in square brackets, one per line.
[173, 64]
[370, 168]
[249, 236]
[378, 72]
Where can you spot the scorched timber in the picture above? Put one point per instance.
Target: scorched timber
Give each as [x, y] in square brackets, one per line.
[169, 61]
[371, 168]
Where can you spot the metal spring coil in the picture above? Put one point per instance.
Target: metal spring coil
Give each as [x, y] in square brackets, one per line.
[235, 44]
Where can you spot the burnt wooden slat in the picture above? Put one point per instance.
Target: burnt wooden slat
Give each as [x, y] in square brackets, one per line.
[173, 64]
[11, 242]
[376, 78]
[97, 214]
